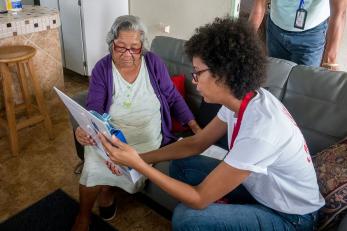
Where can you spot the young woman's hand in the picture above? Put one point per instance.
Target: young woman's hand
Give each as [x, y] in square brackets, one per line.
[83, 137]
[119, 152]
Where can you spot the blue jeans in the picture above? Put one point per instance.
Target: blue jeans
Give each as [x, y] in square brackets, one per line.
[244, 214]
[304, 47]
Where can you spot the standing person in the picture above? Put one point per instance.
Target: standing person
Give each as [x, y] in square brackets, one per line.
[307, 32]
[133, 86]
[268, 158]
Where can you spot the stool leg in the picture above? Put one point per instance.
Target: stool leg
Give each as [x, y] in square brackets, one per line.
[24, 87]
[9, 106]
[39, 99]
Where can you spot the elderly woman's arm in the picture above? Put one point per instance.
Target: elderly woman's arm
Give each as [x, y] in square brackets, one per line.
[96, 98]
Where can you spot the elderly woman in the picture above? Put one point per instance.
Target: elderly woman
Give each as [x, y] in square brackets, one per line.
[268, 164]
[134, 87]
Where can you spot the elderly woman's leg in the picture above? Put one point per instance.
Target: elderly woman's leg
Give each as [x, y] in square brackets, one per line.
[107, 202]
[88, 196]
[106, 196]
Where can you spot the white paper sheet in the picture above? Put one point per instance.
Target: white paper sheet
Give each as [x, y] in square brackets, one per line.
[215, 152]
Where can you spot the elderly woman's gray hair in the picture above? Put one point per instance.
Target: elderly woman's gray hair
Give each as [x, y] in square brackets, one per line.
[126, 23]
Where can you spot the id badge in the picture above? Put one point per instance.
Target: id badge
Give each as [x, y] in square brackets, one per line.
[300, 19]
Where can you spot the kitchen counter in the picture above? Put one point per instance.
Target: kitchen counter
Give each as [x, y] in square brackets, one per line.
[29, 20]
[38, 27]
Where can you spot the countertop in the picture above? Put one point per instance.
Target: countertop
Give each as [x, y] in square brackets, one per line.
[29, 20]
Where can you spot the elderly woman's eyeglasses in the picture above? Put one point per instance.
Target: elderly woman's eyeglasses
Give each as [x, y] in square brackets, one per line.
[196, 74]
[122, 50]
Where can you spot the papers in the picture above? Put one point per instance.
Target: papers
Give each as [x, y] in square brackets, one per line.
[215, 152]
[92, 125]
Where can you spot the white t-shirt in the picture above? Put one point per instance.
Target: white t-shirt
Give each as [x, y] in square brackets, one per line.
[136, 110]
[283, 13]
[272, 147]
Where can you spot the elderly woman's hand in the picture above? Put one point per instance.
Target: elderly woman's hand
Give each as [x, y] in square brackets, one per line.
[119, 152]
[194, 126]
[83, 137]
[113, 168]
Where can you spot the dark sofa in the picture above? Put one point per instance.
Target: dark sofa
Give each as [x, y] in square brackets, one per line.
[316, 98]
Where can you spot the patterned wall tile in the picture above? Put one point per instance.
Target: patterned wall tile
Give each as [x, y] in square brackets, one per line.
[34, 18]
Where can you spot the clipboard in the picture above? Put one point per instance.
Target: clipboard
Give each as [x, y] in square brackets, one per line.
[93, 123]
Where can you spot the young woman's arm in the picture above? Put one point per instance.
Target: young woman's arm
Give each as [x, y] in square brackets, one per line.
[222, 180]
[218, 183]
[189, 146]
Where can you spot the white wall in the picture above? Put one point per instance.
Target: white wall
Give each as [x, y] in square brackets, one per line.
[183, 16]
[50, 3]
[27, 2]
[342, 55]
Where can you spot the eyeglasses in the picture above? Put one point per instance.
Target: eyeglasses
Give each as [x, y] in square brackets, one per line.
[196, 74]
[122, 50]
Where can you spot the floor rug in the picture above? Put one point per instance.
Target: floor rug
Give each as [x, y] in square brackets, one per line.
[55, 212]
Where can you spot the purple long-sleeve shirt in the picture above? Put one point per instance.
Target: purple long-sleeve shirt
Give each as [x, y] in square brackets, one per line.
[101, 91]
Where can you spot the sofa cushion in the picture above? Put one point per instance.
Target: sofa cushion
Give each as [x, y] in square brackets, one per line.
[277, 73]
[171, 50]
[316, 98]
[178, 81]
[331, 168]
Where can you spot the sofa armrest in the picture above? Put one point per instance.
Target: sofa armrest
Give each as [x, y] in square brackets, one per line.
[80, 98]
[343, 224]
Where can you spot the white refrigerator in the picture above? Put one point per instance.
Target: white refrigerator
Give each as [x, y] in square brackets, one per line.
[84, 25]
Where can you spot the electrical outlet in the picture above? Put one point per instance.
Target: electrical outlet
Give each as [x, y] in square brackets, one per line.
[164, 28]
[167, 29]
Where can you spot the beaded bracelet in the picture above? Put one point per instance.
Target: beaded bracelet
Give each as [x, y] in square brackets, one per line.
[330, 64]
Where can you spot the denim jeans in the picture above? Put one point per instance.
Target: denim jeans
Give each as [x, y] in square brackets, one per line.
[304, 47]
[245, 213]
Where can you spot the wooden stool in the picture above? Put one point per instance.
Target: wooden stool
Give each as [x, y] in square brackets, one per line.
[20, 56]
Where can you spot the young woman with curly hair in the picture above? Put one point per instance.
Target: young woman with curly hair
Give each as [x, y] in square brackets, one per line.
[266, 176]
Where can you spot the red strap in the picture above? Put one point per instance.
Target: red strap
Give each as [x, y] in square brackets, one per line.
[243, 106]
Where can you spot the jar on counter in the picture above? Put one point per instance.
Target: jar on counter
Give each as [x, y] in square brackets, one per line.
[14, 5]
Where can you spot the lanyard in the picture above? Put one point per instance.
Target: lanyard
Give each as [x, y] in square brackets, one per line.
[301, 5]
[243, 106]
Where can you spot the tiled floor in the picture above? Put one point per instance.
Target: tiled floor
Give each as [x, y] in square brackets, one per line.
[45, 165]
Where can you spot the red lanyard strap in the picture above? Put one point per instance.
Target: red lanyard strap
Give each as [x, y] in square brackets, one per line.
[237, 126]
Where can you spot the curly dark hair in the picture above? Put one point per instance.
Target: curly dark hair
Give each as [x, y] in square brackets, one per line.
[232, 52]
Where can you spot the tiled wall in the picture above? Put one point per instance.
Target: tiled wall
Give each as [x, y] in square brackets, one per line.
[30, 19]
